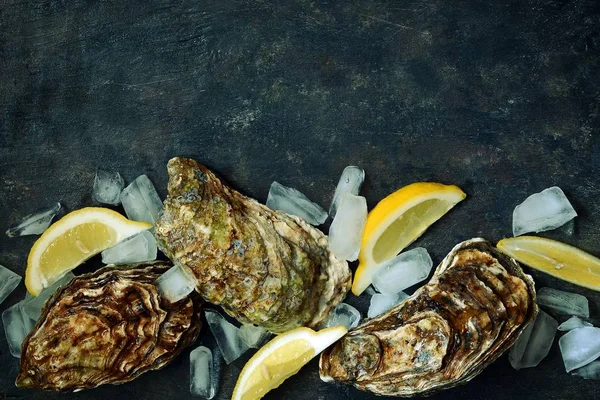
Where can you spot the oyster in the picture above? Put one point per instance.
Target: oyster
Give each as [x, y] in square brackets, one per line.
[108, 326]
[262, 266]
[472, 310]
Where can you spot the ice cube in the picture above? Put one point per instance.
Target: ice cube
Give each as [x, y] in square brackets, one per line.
[8, 282]
[140, 200]
[563, 302]
[350, 182]
[590, 371]
[254, 336]
[580, 347]
[200, 371]
[16, 326]
[516, 352]
[542, 211]
[205, 371]
[108, 187]
[345, 233]
[293, 202]
[342, 314]
[35, 223]
[176, 283]
[533, 345]
[138, 248]
[32, 306]
[403, 271]
[227, 336]
[573, 323]
[380, 303]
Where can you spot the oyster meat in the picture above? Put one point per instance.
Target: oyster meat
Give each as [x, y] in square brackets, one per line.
[262, 266]
[108, 326]
[472, 310]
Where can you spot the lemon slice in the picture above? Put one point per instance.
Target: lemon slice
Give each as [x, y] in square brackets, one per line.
[72, 240]
[281, 358]
[397, 221]
[555, 258]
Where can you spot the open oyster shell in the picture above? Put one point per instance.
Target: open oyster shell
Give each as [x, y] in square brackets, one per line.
[108, 326]
[472, 310]
[262, 266]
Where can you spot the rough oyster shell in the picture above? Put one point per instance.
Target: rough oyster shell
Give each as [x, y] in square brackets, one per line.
[262, 266]
[472, 310]
[108, 326]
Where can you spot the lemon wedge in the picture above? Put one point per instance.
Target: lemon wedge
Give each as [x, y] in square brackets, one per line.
[397, 221]
[73, 239]
[555, 258]
[281, 358]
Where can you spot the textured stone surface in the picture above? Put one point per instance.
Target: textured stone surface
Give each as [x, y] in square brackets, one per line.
[501, 98]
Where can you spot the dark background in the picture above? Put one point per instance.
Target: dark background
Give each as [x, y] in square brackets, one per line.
[498, 97]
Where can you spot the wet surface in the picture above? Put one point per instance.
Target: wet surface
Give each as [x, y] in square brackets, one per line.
[500, 98]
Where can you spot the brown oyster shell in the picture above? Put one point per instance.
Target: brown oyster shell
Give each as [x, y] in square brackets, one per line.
[262, 266]
[108, 326]
[472, 310]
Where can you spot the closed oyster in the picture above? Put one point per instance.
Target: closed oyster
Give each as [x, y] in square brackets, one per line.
[108, 326]
[262, 266]
[472, 310]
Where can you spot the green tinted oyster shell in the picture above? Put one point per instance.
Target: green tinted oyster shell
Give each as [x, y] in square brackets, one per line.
[262, 266]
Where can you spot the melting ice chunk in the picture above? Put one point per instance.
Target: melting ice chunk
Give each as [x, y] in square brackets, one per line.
[35, 223]
[542, 211]
[205, 371]
[200, 371]
[176, 283]
[108, 187]
[342, 314]
[16, 326]
[227, 336]
[350, 182]
[32, 306]
[380, 303]
[590, 371]
[140, 200]
[403, 271]
[294, 202]
[345, 233]
[580, 347]
[8, 282]
[573, 323]
[254, 336]
[138, 248]
[533, 345]
[563, 302]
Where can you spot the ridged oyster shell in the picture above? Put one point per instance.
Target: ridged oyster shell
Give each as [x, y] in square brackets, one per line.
[472, 310]
[108, 326]
[262, 266]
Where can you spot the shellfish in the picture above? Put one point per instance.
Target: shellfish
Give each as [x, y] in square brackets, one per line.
[471, 311]
[262, 266]
[108, 326]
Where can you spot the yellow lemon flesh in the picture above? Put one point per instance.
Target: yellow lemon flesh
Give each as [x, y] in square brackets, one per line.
[555, 258]
[397, 221]
[73, 239]
[281, 358]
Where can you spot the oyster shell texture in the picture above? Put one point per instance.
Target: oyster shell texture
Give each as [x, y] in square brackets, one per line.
[108, 326]
[470, 312]
[262, 266]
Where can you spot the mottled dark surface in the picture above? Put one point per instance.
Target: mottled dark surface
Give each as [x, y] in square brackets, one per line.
[501, 98]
